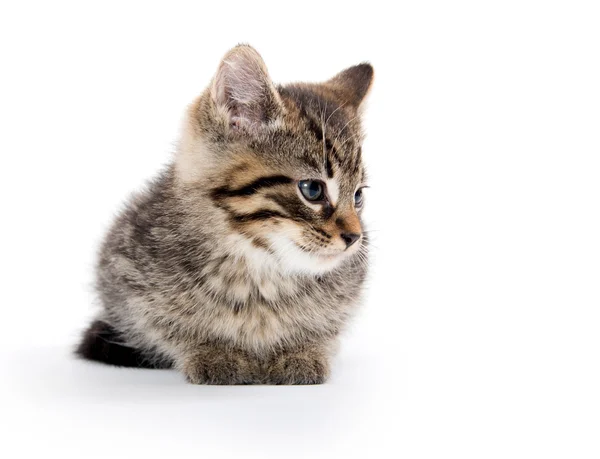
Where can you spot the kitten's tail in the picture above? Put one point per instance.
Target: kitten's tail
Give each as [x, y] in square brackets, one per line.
[102, 343]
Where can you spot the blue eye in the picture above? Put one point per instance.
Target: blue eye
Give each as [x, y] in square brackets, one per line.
[358, 198]
[312, 190]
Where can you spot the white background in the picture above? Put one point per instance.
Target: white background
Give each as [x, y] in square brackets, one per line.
[480, 334]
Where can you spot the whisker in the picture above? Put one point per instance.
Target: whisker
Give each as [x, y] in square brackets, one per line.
[329, 117]
[342, 129]
[349, 138]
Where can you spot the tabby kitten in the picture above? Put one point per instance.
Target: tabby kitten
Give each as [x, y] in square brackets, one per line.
[245, 257]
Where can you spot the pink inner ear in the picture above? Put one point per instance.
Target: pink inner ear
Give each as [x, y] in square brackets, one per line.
[243, 88]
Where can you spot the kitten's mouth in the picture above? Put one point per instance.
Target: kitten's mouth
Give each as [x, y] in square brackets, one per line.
[323, 256]
[326, 257]
[299, 257]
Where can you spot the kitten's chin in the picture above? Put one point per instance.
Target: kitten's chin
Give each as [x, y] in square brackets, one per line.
[295, 260]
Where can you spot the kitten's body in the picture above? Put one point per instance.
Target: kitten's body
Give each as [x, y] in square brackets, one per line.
[219, 268]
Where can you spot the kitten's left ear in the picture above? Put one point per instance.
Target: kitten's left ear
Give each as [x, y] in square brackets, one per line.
[243, 91]
[352, 84]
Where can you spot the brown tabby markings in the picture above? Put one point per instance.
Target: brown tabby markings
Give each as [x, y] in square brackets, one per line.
[221, 268]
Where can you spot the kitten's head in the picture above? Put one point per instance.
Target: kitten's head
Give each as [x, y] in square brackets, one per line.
[283, 164]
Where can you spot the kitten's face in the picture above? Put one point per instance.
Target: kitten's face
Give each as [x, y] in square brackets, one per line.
[285, 163]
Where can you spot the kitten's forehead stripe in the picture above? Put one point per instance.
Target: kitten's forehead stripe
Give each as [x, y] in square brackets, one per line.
[328, 165]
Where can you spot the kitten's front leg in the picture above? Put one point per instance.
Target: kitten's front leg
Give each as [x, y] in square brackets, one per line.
[220, 365]
[304, 365]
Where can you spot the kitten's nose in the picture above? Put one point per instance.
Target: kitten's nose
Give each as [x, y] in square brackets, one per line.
[350, 238]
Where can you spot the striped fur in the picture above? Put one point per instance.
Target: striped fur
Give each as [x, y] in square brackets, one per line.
[221, 268]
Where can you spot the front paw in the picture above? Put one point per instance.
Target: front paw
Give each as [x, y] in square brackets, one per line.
[298, 368]
[219, 367]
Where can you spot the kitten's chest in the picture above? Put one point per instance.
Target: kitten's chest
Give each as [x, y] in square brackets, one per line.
[235, 282]
[264, 309]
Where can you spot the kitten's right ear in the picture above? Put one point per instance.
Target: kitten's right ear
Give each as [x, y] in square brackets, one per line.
[353, 84]
[243, 91]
